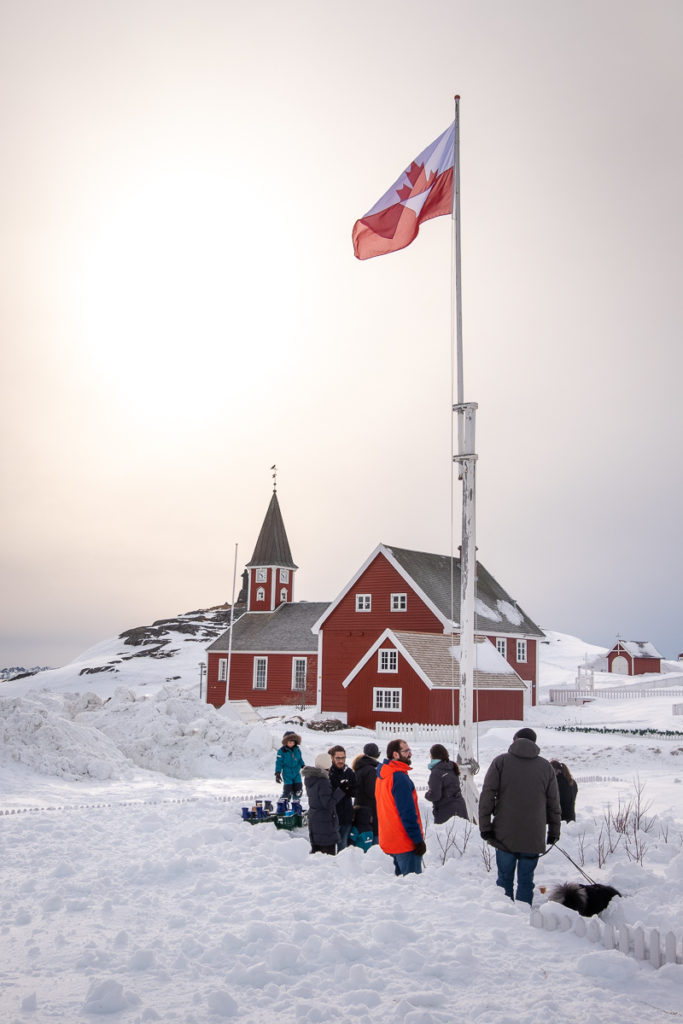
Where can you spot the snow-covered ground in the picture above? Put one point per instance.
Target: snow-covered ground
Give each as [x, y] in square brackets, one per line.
[132, 888]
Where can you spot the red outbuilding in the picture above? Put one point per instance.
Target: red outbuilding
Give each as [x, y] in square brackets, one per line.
[634, 658]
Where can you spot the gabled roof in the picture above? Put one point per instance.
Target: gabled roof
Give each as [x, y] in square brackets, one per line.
[272, 546]
[436, 659]
[430, 576]
[288, 628]
[637, 648]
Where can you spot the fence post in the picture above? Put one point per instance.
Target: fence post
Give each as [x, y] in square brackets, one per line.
[655, 948]
[670, 948]
[624, 940]
[638, 943]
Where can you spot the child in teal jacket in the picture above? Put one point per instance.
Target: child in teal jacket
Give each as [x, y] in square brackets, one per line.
[288, 765]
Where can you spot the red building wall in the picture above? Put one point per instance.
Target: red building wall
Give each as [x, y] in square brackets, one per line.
[419, 703]
[278, 684]
[347, 634]
[272, 597]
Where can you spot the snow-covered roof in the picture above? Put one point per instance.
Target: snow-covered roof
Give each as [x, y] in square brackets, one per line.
[496, 613]
[638, 648]
[436, 659]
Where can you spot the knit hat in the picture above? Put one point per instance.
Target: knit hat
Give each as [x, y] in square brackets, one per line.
[372, 750]
[525, 734]
[323, 761]
[438, 752]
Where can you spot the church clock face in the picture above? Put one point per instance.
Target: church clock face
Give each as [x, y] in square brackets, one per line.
[261, 575]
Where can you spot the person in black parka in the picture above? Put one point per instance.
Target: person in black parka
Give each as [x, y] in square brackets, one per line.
[343, 778]
[365, 805]
[443, 789]
[568, 790]
[323, 823]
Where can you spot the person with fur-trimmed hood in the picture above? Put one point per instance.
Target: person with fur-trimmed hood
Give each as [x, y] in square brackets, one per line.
[519, 800]
[288, 765]
[365, 805]
[323, 823]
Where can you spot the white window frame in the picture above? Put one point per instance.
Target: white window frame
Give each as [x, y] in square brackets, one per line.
[261, 594]
[399, 603]
[521, 652]
[363, 602]
[261, 575]
[387, 659]
[296, 675]
[284, 575]
[222, 670]
[260, 678]
[384, 699]
[502, 645]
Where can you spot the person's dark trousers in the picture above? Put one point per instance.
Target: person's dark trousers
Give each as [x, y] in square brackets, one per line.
[323, 849]
[525, 863]
[407, 863]
[344, 833]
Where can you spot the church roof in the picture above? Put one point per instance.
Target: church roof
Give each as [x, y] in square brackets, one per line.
[272, 546]
[288, 628]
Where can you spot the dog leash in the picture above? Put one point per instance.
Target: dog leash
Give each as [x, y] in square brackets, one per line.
[587, 877]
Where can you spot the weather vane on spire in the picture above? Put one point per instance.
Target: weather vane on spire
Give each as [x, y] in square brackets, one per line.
[274, 469]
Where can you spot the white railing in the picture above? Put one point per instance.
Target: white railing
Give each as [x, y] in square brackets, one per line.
[569, 696]
[416, 731]
[636, 942]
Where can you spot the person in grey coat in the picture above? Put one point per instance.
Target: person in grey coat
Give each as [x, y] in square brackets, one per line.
[323, 823]
[443, 789]
[519, 801]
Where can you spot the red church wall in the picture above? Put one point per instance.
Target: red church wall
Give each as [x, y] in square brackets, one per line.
[278, 679]
[419, 703]
[273, 588]
[347, 633]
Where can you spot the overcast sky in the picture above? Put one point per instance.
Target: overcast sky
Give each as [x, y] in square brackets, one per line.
[181, 307]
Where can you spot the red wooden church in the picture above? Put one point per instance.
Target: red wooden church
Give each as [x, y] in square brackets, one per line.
[386, 649]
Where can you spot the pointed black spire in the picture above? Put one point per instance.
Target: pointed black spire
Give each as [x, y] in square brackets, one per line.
[272, 546]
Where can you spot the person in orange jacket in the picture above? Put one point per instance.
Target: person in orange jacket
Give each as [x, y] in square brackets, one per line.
[400, 827]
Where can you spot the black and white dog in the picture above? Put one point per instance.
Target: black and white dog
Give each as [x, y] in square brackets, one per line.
[587, 899]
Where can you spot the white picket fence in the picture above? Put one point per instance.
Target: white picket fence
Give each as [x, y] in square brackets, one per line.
[636, 942]
[416, 731]
[572, 696]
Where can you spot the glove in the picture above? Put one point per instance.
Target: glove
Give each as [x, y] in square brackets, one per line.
[487, 835]
[278, 777]
[420, 848]
[344, 785]
[552, 839]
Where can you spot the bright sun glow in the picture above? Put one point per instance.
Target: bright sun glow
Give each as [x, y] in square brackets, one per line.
[177, 290]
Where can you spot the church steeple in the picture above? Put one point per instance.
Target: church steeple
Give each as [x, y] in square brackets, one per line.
[271, 568]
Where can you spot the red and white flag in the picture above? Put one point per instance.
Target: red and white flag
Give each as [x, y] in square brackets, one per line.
[424, 190]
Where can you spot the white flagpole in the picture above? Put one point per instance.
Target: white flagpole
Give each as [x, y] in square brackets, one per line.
[466, 459]
[232, 620]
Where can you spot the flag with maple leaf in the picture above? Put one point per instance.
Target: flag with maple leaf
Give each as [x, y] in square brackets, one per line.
[424, 190]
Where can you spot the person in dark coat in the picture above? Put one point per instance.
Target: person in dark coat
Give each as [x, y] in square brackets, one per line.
[443, 789]
[567, 788]
[342, 777]
[323, 823]
[519, 800]
[365, 805]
